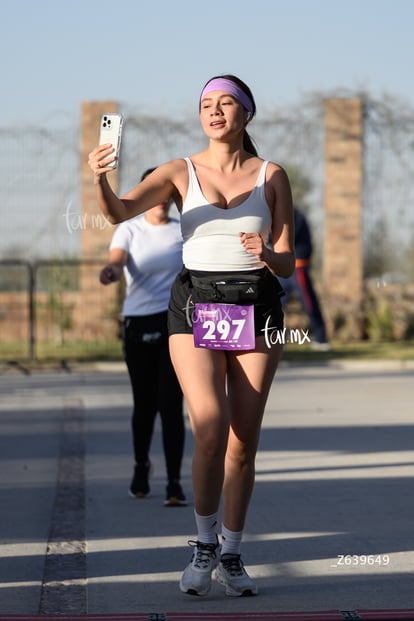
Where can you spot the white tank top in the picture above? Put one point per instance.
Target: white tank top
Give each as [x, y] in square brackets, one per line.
[211, 234]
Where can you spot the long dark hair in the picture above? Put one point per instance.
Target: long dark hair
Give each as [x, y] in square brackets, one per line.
[248, 144]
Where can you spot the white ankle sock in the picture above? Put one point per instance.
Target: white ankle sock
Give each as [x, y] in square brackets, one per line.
[206, 527]
[230, 541]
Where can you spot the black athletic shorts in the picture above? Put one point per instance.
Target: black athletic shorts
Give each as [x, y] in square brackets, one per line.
[267, 308]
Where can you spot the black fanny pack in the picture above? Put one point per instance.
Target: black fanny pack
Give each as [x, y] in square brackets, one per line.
[241, 288]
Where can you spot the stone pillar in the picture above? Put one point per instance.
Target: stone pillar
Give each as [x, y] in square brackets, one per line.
[96, 231]
[343, 259]
[98, 304]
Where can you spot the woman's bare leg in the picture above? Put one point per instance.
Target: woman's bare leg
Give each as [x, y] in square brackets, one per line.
[226, 394]
[223, 459]
[250, 377]
[202, 375]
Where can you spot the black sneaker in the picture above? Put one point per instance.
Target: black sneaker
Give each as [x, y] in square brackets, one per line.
[139, 485]
[175, 496]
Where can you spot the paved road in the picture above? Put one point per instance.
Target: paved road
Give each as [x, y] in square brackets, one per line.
[331, 520]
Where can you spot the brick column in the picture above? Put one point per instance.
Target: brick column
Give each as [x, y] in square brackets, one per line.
[96, 231]
[97, 303]
[343, 211]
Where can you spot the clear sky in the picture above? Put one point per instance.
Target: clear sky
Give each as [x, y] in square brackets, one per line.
[157, 54]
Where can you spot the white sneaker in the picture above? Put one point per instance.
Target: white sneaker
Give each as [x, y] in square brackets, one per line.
[232, 575]
[196, 578]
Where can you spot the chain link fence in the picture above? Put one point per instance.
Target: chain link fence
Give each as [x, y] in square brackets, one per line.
[57, 310]
[40, 175]
[41, 273]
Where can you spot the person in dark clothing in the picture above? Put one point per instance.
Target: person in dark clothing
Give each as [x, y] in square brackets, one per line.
[300, 282]
[147, 249]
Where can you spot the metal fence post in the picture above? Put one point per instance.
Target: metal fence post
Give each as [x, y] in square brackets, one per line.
[32, 313]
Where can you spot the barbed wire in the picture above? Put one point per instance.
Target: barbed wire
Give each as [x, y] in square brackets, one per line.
[40, 168]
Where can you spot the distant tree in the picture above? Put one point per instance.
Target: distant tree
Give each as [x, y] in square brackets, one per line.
[408, 257]
[301, 185]
[57, 278]
[379, 255]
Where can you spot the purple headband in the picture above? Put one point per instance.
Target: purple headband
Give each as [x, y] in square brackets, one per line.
[230, 87]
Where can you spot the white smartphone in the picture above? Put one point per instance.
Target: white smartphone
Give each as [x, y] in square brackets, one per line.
[111, 131]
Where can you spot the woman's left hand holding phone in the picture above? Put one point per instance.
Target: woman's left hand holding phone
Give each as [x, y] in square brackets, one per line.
[100, 159]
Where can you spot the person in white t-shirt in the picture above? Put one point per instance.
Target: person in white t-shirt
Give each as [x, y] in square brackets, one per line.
[148, 251]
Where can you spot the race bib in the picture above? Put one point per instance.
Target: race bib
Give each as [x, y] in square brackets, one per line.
[224, 326]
